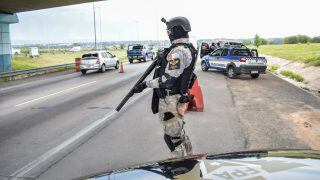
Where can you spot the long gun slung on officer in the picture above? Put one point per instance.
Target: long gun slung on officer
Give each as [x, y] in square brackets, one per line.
[132, 91]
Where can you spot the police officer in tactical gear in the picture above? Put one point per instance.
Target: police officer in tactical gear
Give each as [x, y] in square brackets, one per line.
[172, 79]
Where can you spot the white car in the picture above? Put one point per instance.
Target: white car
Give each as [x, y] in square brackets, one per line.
[98, 60]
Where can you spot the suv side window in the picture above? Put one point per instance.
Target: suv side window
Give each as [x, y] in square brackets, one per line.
[217, 52]
[109, 55]
[101, 55]
[224, 52]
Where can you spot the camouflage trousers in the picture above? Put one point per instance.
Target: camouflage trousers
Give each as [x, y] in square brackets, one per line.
[171, 116]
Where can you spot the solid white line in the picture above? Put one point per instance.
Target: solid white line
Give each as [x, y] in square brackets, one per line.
[85, 131]
[59, 92]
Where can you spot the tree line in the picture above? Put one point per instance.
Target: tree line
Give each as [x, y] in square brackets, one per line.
[296, 39]
[301, 39]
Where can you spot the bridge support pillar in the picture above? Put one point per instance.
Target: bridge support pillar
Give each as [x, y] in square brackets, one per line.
[5, 42]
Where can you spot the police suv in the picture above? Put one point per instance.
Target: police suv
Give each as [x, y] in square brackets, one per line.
[235, 60]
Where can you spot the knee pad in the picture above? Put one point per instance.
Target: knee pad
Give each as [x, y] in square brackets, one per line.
[172, 142]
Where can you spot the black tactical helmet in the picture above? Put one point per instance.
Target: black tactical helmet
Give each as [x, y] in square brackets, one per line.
[178, 21]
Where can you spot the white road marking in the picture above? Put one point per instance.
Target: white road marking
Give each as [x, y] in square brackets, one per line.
[77, 137]
[59, 92]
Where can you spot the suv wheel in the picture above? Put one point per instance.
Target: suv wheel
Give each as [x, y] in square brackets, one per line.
[152, 57]
[130, 60]
[204, 66]
[117, 65]
[84, 71]
[231, 72]
[103, 68]
[145, 58]
[254, 76]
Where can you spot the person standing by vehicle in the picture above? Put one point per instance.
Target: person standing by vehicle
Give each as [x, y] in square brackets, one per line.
[173, 77]
[212, 47]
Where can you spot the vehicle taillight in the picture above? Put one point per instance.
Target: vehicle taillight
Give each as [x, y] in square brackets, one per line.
[98, 61]
[243, 60]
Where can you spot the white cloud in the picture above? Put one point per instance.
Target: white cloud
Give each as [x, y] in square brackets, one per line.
[140, 19]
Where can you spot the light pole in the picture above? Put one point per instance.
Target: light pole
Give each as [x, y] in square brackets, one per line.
[94, 26]
[100, 27]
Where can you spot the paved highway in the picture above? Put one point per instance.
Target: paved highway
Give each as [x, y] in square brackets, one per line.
[41, 113]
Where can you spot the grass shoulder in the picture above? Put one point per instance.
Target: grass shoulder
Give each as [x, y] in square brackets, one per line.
[292, 75]
[305, 53]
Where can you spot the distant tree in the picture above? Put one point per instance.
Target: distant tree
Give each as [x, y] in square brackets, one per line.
[316, 39]
[257, 40]
[297, 39]
[264, 41]
[122, 46]
[303, 39]
[291, 40]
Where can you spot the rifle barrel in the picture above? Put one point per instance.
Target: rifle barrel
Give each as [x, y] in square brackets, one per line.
[142, 78]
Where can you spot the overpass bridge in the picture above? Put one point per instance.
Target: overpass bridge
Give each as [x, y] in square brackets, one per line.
[8, 10]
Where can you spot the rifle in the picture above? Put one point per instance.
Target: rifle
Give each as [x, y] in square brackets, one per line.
[142, 78]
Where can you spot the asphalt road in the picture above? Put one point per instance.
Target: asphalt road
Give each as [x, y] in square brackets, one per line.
[41, 113]
[38, 114]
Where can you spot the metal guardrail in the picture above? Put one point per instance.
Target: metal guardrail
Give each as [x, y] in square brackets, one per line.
[34, 70]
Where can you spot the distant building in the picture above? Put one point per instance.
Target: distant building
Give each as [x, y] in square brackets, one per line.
[15, 51]
[75, 49]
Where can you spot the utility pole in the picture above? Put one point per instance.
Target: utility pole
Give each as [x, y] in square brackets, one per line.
[100, 28]
[94, 26]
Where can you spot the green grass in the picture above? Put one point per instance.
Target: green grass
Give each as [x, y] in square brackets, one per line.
[306, 53]
[292, 75]
[273, 68]
[24, 62]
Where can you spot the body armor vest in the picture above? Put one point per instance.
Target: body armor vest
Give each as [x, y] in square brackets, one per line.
[181, 84]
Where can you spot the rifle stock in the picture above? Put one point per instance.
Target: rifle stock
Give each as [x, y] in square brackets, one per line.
[131, 92]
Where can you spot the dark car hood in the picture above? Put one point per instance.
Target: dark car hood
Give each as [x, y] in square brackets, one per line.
[302, 164]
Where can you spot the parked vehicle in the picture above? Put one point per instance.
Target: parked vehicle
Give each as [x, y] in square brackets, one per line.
[139, 52]
[98, 60]
[33, 52]
[235, 61]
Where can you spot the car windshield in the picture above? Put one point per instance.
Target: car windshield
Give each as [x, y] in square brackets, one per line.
[90, 56]
[137, 47]
[96, 85]
[241, 52]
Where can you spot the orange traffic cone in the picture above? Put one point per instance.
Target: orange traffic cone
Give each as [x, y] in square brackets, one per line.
[197, 103]
[121, 68]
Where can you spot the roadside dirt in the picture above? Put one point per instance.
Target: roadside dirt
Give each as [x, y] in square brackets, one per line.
[275, 113]
[307, 126]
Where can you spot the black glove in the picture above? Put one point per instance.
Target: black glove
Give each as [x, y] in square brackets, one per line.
[140, 87]
[186, 98]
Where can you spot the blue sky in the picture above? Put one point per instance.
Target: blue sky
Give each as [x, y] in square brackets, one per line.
[140, 20]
